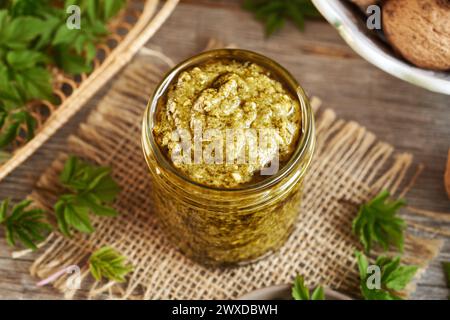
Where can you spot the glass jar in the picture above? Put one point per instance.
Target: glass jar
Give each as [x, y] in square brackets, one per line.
[217, 226]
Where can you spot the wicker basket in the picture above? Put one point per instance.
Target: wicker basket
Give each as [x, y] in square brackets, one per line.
[129, 31]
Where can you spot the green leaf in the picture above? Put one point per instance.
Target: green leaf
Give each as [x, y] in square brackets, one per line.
[299, 290]
[274, 22]
[318, 294]
[20, 31]
[19, 209]
[377, 222]
[3, 21]
[79, 43]
[274, 12]
[3, 209]
[62, 224]
[446, 266]
[92, 10]
[71, 63]
[10, 131]
[91, 202]
[97, 29]
[91, 189]
[46, 37]
[26, 225]
[374, 294]
[35, 83]
[309, 9]
[77, 217]
[111, 8]
[269, 8]
[91, 51]
[296, 14]
[363, 264]
[9, 134]
[107, 262]
[64, 35]
[8, 92]
[25, 59]
[3, 116]
[106, 189]
[27, 7]
[400, 277]
[394, 277]
[68, 170]
[249, 5]
[31, 126]
[389, 265]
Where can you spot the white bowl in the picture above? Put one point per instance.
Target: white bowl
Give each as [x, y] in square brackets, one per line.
[349, 22]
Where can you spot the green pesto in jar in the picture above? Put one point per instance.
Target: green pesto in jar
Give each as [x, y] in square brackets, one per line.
[226, 94]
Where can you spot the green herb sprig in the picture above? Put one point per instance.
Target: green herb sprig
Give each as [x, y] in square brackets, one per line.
[273, 13]
[107, 262]
[394, 277]
[34, 36]
[301, 292]
[23, 224]
[377, 222]
[90, 191]
[446, 267]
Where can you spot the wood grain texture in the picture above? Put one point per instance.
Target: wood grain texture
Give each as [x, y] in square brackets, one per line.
[410, 118]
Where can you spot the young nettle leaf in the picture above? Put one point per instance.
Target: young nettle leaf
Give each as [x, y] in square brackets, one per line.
[394, 277]
[377, 222]
[33, 83]
[91, 188]
[112, 8]
[107, 262]
[33, 35]
[3, 115]
[25, 225]
[10, 96]
[301, 292]
[18, 32]
[75, 49]
[25, 59]
[72, 213]
[11, 127]
[273, 13]
[70, 61]
[52, 18]
[26, 7]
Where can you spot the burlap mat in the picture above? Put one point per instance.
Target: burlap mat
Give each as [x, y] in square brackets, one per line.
[349, 164]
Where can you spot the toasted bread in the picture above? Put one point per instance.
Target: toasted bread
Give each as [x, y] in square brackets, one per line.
[420, 31]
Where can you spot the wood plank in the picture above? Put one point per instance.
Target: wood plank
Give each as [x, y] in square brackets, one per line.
[412, 119]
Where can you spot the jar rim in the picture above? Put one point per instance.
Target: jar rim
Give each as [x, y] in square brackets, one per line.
[305, 143]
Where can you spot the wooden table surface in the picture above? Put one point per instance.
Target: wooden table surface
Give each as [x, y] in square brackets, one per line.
[410, 118]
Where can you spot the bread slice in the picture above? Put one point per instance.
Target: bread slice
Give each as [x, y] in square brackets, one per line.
[420, 31]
